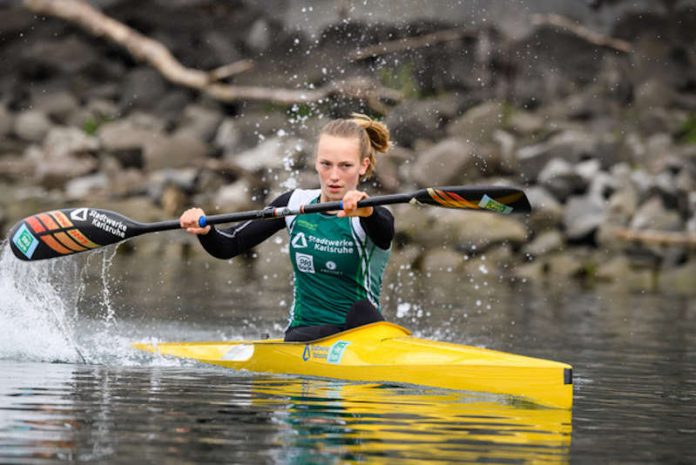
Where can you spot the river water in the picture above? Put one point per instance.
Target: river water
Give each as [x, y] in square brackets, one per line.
[72, 389]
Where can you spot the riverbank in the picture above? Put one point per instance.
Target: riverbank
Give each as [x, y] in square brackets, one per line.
[601, 134]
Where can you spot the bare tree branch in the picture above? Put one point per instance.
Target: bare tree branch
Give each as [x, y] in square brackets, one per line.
[410, 43]
[584, 33]
[657, 237]
[159, 57]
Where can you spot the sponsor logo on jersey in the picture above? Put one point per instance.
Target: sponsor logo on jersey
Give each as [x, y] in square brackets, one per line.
[331, 265]
[299, 241]
[305, 263]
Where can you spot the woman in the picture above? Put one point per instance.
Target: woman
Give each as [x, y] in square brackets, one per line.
[338, 258]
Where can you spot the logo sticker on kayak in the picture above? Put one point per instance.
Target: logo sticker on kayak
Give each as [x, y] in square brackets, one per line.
[239, 353]
[336, 351]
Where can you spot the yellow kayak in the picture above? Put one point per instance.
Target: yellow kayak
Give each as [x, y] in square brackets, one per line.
[386, 352]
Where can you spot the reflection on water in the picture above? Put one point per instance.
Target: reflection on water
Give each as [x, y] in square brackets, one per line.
[634, 359]
[90, 413]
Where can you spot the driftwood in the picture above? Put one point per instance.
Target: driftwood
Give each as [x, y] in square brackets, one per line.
[159, 57]
[410, 43]
[584, 33]
[665, 238]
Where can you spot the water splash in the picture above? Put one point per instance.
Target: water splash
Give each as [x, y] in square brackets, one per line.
[36, 312]
[39, 316]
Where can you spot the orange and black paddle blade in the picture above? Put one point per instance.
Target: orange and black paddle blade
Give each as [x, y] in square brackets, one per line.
[59, 233]
[498, 199]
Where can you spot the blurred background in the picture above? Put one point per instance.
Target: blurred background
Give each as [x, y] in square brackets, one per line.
[590, 106]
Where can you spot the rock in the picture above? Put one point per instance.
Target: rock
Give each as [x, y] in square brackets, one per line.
[58, 105]
[177, 151]
[524, 123]
[678, 280]
[478, 124]
[652, 215]
[123, 135]
[562, 266]
[570, 146]
[441, 259]
[547, 212]
[228, 136]
[200, 122]
[545, 243]
[6, 121]
[506, 144]
[67, 153]
[84, 187]
[619, 271]
[582, 217]
[420, 119]
[185, 179]
[234, 197]
[69, 55]
[463, 230]
[32, 125]
[274, 153]
[561, 179]
[142, 88]
[452, 161]
[259, 36]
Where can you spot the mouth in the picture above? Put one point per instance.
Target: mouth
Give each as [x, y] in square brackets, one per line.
[334, 188]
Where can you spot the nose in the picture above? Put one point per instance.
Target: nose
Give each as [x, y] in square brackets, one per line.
[333, 174]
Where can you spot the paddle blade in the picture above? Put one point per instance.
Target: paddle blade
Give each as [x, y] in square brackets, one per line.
[504, 200]
[60, 233]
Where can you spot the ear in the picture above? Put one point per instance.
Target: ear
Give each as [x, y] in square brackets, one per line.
[364, 165]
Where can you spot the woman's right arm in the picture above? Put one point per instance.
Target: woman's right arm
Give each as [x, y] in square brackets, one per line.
[230, 242]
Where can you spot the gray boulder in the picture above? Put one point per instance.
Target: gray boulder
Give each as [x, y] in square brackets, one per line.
[478, 124]
[59, 105]
[583, 216]
[652, 215]
[175, 151]
[86, 186]
[272, 154]
[547, 212]
[6, 121]
[420, 119]
[561, 179]
[67, 153]
[452, 161]
[32, 125]
[200, 122]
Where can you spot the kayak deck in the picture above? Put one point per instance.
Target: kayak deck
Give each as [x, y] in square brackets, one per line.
[386, 352]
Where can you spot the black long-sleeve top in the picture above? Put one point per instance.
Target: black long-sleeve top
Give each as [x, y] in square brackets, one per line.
[230, 242]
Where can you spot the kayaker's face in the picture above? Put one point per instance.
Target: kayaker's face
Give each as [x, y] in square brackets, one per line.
[339, 166]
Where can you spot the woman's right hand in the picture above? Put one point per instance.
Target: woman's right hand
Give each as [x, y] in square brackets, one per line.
[189, 221]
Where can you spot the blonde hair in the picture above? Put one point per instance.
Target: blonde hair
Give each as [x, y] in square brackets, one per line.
[372, 135]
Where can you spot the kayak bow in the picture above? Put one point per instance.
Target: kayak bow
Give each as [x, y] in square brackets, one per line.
[386, 352]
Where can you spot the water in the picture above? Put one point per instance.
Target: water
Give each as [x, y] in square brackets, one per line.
[634, 358]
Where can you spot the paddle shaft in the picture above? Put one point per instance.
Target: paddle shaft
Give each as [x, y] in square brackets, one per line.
[64, 232]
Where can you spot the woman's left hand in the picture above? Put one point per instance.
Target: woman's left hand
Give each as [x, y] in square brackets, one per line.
[350, 205]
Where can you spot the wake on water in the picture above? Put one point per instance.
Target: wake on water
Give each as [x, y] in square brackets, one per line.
[39, 318]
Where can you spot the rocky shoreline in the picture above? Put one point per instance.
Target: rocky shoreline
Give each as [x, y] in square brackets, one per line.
[602, 140]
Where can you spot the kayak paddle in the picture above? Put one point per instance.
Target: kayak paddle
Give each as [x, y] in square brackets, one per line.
[69, 231]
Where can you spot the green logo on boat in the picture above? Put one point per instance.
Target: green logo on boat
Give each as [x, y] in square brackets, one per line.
[493, 205]
[336, 351]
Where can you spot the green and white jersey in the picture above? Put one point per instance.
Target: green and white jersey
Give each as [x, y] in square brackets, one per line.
[335, 264]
